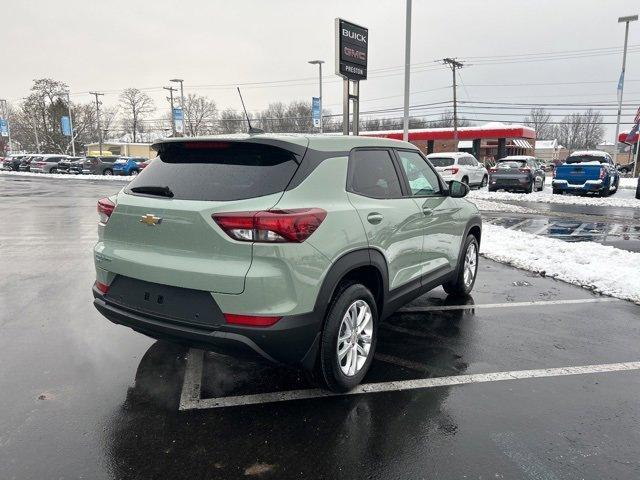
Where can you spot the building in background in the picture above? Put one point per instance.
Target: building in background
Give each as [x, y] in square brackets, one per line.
[487, 143]
[124, 149]
[626, 148]
[550, 151]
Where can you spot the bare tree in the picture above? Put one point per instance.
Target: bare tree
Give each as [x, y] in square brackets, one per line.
[580, 130]
[446, 121]
[540, 120]
[231, 121]
[136, 105]
[200, 114]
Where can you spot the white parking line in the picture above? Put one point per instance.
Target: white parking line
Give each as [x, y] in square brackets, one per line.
[539, 303]
[189, 402]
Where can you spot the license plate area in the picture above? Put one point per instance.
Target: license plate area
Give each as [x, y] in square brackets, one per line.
[166, 302]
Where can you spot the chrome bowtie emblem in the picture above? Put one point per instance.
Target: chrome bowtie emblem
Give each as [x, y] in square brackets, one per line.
[150, 219]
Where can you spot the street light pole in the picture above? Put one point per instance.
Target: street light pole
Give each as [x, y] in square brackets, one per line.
[5, 114]
[407, 72]
[73, 143]
[180, 81]
[319, 63]
[173, 122]
[626, 21]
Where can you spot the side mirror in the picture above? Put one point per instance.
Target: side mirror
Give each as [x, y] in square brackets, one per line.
[458, 189]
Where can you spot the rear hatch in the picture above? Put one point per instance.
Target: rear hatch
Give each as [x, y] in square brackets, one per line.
[577, 170]
[161, 230]
[510, 171]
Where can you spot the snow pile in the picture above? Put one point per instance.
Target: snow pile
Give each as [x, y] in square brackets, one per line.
[548, 197]
[118, 178]
[628, 183]
[603, 269]
[489, 206]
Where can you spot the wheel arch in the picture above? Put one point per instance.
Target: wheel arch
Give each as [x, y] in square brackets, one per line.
[367, 266]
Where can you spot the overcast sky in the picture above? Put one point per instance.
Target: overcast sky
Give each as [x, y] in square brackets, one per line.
[111, 45]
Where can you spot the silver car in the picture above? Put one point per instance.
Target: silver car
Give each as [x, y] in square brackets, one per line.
[46, 163]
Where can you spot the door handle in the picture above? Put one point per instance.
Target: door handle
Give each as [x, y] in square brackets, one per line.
[427, 211]
[374, 218]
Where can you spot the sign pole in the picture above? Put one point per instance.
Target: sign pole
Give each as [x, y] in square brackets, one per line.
[345, 106]
[356, 107]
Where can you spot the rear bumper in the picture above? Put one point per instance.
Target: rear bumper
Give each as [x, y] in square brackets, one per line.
[292, 341]
[587, 186]
[510, 183]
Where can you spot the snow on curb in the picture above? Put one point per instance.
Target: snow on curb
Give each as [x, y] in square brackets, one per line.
[116, 178]
[488, 206]
[600, 268]
[547, 197]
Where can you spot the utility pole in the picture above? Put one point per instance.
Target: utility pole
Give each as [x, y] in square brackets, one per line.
[5, 115]
[454, 64]
[97, 94]
[319, 63]
[407, 72]
[625, 20]
[173, 122]
[180, 81]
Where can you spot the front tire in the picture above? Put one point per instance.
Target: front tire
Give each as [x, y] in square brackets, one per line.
[467, 269]
[348, 339]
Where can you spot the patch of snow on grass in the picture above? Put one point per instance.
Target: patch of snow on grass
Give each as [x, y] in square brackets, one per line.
[118, 178]
[600, 268]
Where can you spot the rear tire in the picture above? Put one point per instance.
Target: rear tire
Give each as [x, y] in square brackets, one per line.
[557, 191]
[530, 187]
[541, 186]
[53, 170]
[466, 271]
[465, 180]
[638, 190]
[342, 363]
[107, 171]
[133, 173]
[485, 180]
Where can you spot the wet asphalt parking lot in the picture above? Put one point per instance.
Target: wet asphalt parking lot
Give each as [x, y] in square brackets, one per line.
[528, 378]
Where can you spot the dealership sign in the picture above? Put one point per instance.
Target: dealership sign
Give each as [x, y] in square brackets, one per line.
[4, 128]
[352, 47]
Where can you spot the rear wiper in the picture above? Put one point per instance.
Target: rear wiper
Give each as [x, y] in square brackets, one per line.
[154, 190]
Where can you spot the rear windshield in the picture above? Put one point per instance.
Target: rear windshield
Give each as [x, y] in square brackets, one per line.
[586, 159]
[441, 161]
[512, 164]
[218, 171]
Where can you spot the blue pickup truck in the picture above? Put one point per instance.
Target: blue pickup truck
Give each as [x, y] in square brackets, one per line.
[127, 165]
[588, 171]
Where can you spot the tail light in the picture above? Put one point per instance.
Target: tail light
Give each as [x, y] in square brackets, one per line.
[602, 173]
[102, 287]
[453, 170]
[105, 209]
[271, 226]
[251, 320]
[493, 170]
[525, 170]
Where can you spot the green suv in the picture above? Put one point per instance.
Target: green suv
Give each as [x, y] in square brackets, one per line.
[286, 247]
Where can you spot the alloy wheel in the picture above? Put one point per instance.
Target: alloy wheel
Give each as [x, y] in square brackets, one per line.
[470, 264]
[354, 338]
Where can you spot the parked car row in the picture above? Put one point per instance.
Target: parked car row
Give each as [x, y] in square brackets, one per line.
[64, 164]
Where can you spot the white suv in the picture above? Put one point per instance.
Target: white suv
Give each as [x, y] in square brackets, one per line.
[459, 166]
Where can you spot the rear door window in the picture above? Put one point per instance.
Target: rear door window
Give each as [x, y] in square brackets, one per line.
[372, 174]
[219, 171]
